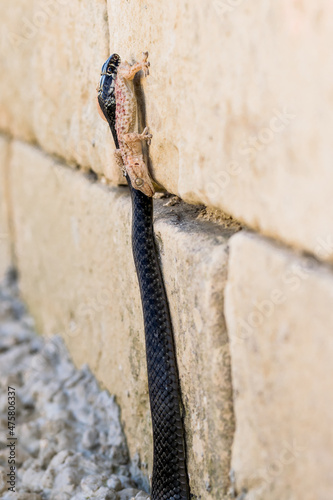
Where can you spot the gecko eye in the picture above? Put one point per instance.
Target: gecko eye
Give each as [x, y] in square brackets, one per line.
[139, 182]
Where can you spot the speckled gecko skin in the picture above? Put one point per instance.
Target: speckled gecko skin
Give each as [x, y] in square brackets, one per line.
[129, 155]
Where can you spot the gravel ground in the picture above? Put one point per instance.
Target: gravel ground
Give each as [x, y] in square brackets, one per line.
[70, 444]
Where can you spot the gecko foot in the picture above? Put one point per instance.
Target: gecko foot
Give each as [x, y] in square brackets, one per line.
[145, 136]
[145, 63]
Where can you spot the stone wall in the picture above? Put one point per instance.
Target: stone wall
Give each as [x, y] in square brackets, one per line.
[239, 103]
[5, 240]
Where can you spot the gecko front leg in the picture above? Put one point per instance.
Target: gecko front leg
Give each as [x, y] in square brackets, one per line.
[133, 137]
[119, 160]
[128, 72]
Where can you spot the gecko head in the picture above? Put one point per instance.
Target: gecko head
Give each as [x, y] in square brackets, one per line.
[106, 103]
[139, 175]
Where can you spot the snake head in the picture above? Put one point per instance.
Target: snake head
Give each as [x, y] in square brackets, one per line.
[138, 173]
[106, 102]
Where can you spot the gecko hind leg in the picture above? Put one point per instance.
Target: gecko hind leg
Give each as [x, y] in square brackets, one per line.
[135, 137]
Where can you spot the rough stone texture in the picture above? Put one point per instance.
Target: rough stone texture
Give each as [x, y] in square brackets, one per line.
[278, 316]
[5, 246]
[70, 444]
[238, 99]
[78, 277]
[194, 258]
[221, 72]
[17, 91]
[52, 55]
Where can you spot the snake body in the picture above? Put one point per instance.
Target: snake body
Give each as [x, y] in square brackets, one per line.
[169, 480]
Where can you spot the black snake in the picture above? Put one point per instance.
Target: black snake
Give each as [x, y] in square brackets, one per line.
[169, 481]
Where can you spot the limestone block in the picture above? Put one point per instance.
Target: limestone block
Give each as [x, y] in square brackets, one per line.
[278, 312]
[71, 48]
[17, 77]
[5, 244]
[73, 247]
[239, 101]
[53, 53]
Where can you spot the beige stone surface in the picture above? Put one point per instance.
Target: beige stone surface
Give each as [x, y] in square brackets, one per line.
[52, 55]
[17, 90]
[77, 275]
[239, 100]
[278, 312]
[5, 245]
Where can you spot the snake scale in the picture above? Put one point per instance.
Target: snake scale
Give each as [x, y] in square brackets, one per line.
[169, 480]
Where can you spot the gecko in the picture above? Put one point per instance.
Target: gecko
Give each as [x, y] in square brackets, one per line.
[129, 156]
